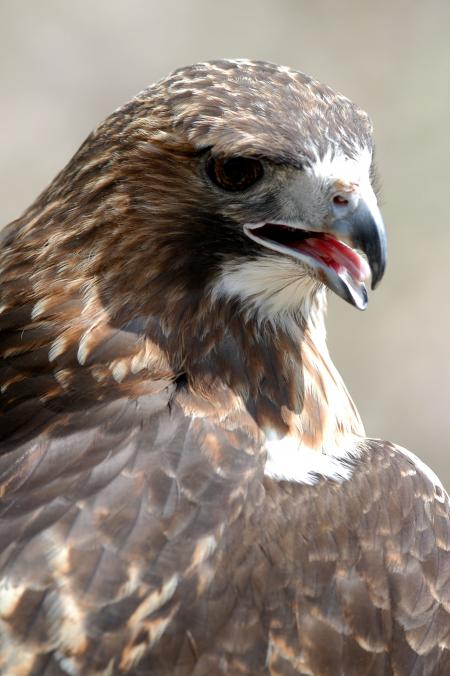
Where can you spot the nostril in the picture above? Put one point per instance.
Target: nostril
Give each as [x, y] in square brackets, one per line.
[340, 201]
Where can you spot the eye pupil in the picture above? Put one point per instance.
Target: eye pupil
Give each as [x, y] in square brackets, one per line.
[234, 173]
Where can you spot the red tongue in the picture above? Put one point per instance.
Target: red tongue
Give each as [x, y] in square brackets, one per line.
[334, 254]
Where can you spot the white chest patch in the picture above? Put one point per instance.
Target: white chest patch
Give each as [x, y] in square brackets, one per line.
[289, 460]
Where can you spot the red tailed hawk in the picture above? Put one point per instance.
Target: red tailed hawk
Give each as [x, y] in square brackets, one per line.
[185, 483]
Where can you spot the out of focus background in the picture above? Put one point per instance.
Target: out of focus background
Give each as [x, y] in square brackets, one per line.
[65, 65]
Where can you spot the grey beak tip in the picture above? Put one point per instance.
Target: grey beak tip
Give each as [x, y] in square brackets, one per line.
[377, 276]
[379, 266]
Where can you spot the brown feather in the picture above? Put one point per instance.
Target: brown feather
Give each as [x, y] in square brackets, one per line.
[138, 532]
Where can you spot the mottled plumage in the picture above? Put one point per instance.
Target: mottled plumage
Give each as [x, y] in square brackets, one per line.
[185, 483]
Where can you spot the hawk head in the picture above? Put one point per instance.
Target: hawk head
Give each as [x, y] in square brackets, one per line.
[238, 183]
[284, 168]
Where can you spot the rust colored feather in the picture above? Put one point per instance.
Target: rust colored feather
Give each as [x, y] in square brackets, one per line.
[140, 531]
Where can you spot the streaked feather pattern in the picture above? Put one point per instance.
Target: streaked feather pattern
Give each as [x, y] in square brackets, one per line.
[140, 532]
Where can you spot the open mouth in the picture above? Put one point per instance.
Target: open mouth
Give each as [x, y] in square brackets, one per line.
[333, 262]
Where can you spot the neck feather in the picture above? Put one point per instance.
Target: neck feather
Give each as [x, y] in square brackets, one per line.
[283, 374]
[96, 337]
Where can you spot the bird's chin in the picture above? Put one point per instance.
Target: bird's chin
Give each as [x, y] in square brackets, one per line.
[332, 262]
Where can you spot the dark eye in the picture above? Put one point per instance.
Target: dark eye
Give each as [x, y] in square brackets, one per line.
[235, 173]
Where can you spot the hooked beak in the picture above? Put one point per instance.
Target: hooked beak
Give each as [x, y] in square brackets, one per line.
[364, 230]
[333, 254]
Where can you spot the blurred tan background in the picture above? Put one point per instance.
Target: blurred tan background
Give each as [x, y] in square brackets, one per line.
[66, 65]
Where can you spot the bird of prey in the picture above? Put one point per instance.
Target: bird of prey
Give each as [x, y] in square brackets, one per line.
[185, 483]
